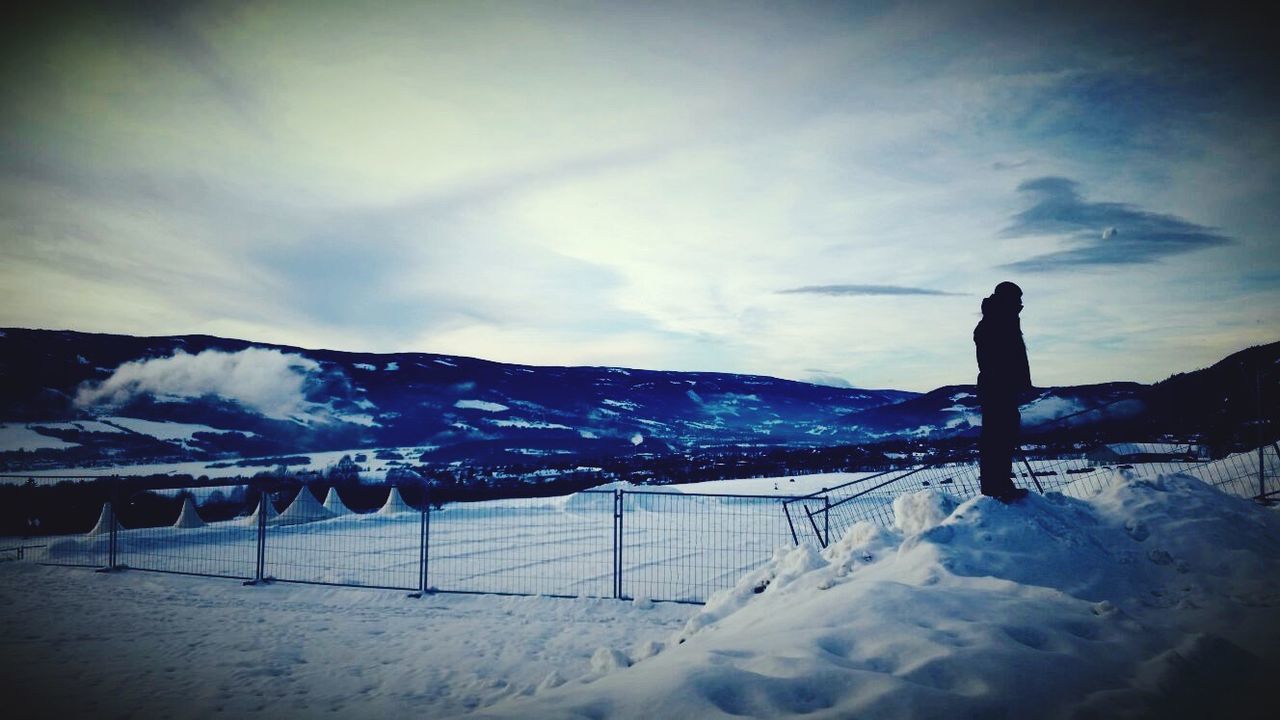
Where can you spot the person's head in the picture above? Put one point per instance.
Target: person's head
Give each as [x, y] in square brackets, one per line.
[1007, 297]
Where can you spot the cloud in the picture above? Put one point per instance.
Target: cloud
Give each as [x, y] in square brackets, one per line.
[1101, 233]
[822, 377]
[841, 290]
[266, 381]
[1009, 165]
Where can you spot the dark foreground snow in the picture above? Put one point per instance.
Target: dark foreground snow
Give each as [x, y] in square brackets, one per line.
[1159, 597]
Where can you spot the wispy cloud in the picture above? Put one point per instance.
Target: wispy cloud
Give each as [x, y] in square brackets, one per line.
[1009, 164]
[843, 290]
[1101, 233]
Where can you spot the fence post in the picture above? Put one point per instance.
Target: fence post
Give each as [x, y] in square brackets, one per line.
[826, 519]
[263, 499]
[424, 543]
[617, 544]
[1031, 473]
[1262, 473]
[112, 537]
[814, 524]
[786, 510]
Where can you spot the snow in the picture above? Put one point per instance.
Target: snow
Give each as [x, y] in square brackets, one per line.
[1150, 448]
[530, 424]
[364, 366]
[1048, 408]
[81, 425]
[184, 432]
[152, 645]
[480, 405]
[1154, 597]
[375, 468]
[15, 437]
[391, 366]
[790, 485]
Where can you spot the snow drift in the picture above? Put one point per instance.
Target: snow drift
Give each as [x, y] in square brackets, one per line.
[1157, 596]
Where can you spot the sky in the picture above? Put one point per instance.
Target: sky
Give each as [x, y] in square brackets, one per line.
[814, 191]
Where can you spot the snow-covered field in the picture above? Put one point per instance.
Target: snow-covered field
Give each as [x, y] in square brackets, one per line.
[374, 468]
[1157, 596]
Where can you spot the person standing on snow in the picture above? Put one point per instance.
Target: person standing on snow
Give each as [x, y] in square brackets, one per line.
[1004, 375]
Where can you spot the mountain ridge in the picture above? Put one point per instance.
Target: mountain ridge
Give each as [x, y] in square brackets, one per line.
[77, 397]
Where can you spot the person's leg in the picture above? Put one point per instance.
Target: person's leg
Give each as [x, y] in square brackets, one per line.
[999, 436]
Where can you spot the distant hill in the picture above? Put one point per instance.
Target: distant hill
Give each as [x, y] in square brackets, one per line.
[70, 398]
[95, 397]
[1233, 403]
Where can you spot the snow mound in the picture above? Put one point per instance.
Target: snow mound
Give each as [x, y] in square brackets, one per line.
[1153, 596]
[188, 517]
[916, 512]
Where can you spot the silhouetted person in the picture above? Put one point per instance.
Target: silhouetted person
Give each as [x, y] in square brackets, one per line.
[1003, 377]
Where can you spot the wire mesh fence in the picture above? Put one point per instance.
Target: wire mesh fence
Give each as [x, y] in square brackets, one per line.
[597, 543]
[683, 546]
[620, 543]
[829, 513]
[556, 546]
[311, 542]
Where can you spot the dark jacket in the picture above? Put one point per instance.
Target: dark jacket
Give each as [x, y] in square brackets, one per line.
[1003, 371]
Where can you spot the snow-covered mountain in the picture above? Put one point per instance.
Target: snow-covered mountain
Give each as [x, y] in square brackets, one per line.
[85, 397]
[69, 398]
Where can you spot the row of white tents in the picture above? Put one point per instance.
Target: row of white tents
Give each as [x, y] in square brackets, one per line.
[305, 508]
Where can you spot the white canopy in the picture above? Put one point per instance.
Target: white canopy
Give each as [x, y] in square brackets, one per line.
[188, 517]
[304, 509]
[334, 504]
[106, 519]
[395, 504]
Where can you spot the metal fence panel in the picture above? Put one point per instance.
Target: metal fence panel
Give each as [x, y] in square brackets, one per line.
[375, 549]
[554, 546]
[63, 520]
[684, 547]
[830, 513]
[187, 544]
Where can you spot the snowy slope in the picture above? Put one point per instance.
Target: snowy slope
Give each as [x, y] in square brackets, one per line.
[1157, 596]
